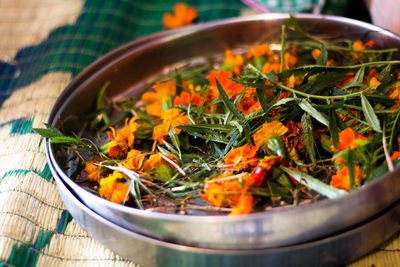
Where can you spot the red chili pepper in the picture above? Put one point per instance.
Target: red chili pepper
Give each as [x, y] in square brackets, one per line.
[257, 175]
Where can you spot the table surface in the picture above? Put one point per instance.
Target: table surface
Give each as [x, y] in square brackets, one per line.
[44, 44]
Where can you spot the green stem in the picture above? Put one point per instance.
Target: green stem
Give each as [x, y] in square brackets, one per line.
[282, 48]
[309, 95]
[341, 48]
[360, 108]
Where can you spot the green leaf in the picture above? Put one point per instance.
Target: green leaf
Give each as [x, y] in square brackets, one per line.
[323, 56]
[175, 140]
[261, 98]
[333, 127]
[101, 97]
[206, 127]
[350, 166]
[322, 81]
[171, 148]
[384, 75]
[394, 133]
[314, 184]
[165, 151]
[334, 105]
[178, 83]
[48, 132]
[359, 76]
[370, 115]
[307, 107]
[293, 23]
[284, 101]
[67, 140]
[308, 136]
[225, 99]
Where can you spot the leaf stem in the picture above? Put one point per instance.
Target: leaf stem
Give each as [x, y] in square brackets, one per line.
[282, 48]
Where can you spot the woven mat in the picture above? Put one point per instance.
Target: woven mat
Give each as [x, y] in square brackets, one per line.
[44, 44]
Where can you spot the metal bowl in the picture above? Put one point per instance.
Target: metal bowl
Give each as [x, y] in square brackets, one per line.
[336, 250]
[129, 70]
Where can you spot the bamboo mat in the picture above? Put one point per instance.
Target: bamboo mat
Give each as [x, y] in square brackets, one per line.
[44, 44]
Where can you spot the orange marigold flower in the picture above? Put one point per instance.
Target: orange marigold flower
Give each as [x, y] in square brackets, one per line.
[134, 160]
[396, 155]
[358, 45]
[260, 50]
[244, 205]
[349, 139]
[292, 82]
[341, 179]
[241, 158]
[154, 100]
[394, 91]
[223, 76]
[112, 189]
[221, 191]
[374, 82]
[183, 15]
[93, 170]
[188, 98]
[171, 118]
[290, 61]
[236, 61]
[157, 162]
[315, 53]
[267, 130]
[268, 66]
[123, 138]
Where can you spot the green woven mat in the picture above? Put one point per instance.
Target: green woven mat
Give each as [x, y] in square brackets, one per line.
[44, 44]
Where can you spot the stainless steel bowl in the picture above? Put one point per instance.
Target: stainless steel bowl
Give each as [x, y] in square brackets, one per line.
[336, 250]
[129, 70]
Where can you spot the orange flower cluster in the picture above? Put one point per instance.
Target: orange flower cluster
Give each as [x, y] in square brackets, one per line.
[348, 139]
[182, 16]
[170, 118]
[123, 138]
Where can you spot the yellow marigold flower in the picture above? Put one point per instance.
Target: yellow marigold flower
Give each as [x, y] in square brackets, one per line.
[292, 82]
[123, 138]
[182, 16]
[157, 162]
[112, 189]
[134, 160]
[341, 179]
[171, 118]
[154, 100]
[374, 82]
[241, 158]
[235, 61]
[267, 130]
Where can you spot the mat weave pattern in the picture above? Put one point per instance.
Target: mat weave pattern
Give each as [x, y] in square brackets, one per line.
[44, 44]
